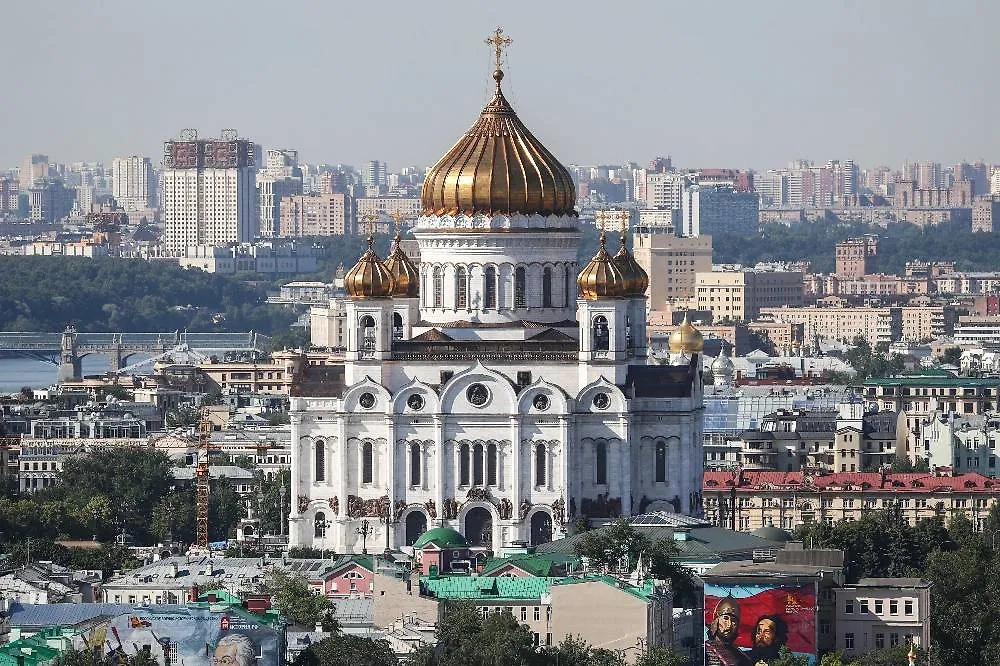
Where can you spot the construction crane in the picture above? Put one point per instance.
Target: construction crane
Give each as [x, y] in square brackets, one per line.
[201, 481]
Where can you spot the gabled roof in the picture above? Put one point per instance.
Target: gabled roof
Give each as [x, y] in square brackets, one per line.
[533, 564]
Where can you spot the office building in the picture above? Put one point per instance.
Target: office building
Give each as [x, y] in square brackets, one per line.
[281, 177]
[209, 193]
[672, 263]
[719, 210]
[739, 295]
[133, 182]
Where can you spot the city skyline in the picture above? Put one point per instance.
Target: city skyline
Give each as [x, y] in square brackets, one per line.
[589, 104]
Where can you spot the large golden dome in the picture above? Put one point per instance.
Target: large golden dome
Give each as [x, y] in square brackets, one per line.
[602, 277]
[498, 167]
[369, 278]
[686, 338]
[405, 276]
[636, 279]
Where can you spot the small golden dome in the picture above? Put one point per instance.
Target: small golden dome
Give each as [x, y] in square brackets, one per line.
[405, 276]
[602, 277]
[686, 338]
[636, 279]
[369, 278]
[498, 167]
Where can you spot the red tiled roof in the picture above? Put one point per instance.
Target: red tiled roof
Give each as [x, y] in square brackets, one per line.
[852, 481]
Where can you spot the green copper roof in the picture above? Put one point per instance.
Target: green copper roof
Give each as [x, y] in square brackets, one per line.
[441, 536]
[487, 587]
[550, 564]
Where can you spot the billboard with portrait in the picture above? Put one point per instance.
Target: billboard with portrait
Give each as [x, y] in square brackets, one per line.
[188, 636]
[747, 623]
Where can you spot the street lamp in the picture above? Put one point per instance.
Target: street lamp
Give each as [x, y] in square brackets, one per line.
[321, 526]
[364, 532]
[386, 517]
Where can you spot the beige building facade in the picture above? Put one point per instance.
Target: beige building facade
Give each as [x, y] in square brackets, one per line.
[672, 263]
[314, 215]
[877, 613]
[842, 324]
[739, 295]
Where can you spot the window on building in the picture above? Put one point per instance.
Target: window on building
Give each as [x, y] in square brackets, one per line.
[893, 640]
[601, 455]
[519, 297]
[547, 287]
[849, 606]
[464, 464]
[437, 287]
[491, 464]
[461, 287]
[320, 526]
[879, 640]
[540, 465]
[490, 288]
[893, 607]
[824, 627]
[879, 607]
[864, 606]
[477, 465]
[415, 460]
[908, 607]
[367, 463]
[849, 641]
[524, 613]
[602, 335]
[660, 464]
[320, 460]
[538, 614]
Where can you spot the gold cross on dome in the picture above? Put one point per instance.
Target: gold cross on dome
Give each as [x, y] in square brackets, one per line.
[369, 220]
[398, 216]
[499, 42]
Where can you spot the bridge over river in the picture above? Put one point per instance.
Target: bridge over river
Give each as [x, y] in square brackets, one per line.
[66, 349]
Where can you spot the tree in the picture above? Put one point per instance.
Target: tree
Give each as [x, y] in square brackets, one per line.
[891, 656]
[466, 638]
[225, 508]
[952, 356]
[788, 658]
[659, 655]
[347, 650]
[617, 546]
[305, 553]
[174, 517]
[575, 651]
[291, 596]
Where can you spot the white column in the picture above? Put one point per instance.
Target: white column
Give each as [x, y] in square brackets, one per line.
[439, 458]
[339, 538]
[549, 464]
[388, 476]
[626, 467]
[515, 449]
[564, 433]
[296, 433]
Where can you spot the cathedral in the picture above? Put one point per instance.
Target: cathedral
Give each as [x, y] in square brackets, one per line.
[495, 388]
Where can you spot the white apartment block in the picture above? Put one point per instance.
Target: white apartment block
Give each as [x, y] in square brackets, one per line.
[132, 182]
[209, 194]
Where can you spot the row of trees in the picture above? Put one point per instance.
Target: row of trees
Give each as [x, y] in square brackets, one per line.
[129, 295]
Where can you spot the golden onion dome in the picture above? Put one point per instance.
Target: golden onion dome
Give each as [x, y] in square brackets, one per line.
[636, 279]
[405, 276]
[498, 167]
[369, 278]
[602, 277]
[686, 338]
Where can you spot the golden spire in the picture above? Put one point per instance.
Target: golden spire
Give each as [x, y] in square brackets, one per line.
[636, 279]
[601, 278]
[405, 276]
[369, 278]
[499, 42]
[498, 167]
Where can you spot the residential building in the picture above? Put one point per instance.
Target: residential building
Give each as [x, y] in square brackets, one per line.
[841, 323]
[923, 323]
[785, 337]
[877, 613]
[8, 196]
[719, 210]
[663, 190]
[209, 193]
[961, 443]
[383, 209]
[857, 257]
[133, 183]
[286, 258]
[986, 213]
[980, 331]
[741, 294]
[672, 264]
[753, 499]
[909, 194]
[49, 200]
[314, 215]
[280, 178]
[34, 169]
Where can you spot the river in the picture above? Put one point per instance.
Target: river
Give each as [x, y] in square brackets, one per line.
[16, 373]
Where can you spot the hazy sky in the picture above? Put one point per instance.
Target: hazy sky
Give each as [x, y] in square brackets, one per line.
[736, 84]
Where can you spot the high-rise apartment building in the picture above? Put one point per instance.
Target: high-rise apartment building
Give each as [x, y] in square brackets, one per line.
[857, 257]
[34, 168]
[133, 182]
[281, 177]
[8, 195]
[49, 200]
[671, 262]
[719, 210]
[314, 215]
[664, 190]
[209, 192]
[376, 174]
[772, 187]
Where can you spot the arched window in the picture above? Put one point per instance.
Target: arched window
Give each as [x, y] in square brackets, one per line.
[397, 326]
[490, 288]
[320, 525]
[602, 336]
[461, 288]
[367, 463]
[491, 464]
[477, 465]
[519, 301]
[540, 465]
[463, 465]
[367, 333]
[660, 464]
[628, 333]
[601, 454]
[415, 460]
[438, 287]
[547, 287]
[568, 285]
[320, 460]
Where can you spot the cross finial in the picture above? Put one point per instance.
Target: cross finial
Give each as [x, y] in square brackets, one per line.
[398, 216]
[623, 218]
[369, 220]
[499, 42]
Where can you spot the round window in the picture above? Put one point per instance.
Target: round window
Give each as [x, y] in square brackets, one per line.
[367, 400]
[541, 402]
[415, 402]
[602, 400]
[478, 395]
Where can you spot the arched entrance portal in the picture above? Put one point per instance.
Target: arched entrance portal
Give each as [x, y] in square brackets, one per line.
[479, 527]
[541, 528]
[416, 524]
